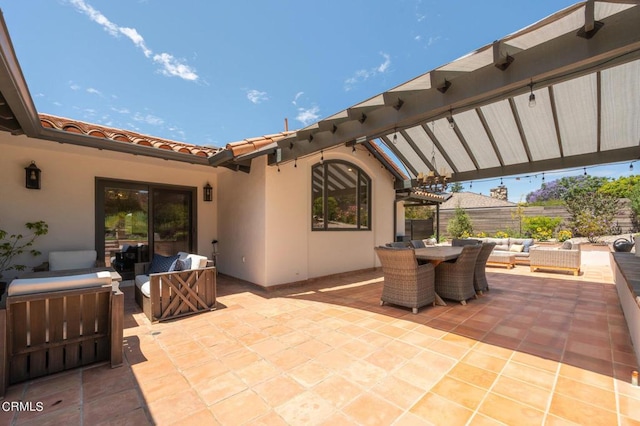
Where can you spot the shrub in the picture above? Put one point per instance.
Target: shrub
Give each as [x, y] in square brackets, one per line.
[592, 214]
[459, 225]
[564, 235]
[15, 244]
[502, 234]
[541, 228]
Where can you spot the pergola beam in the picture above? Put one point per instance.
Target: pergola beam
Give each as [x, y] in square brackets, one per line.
[560, 59]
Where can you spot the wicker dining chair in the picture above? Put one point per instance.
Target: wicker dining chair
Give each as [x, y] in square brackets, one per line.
[480, 277]
[454, 280]
[406, 283]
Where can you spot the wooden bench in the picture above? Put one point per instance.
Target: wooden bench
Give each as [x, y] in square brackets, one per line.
[48, 332]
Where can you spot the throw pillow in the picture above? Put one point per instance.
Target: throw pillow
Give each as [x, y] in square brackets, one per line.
[183, 264]
[527, 242]
[567, 245]
[161, 263]
[516, 248]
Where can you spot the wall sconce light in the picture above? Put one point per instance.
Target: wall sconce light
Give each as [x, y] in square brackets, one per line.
[207, 192]
[32, 176]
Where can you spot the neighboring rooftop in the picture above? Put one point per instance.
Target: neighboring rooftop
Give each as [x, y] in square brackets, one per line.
[471, 200]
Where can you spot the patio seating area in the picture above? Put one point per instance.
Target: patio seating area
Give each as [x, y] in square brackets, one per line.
[538, 348]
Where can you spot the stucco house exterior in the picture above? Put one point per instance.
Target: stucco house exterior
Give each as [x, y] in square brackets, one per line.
[261, 215]
[260, 218]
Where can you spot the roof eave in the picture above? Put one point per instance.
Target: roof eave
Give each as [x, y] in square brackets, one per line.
[14, 88]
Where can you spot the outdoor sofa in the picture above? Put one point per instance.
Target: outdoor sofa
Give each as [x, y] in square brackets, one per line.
[518, 247]
[173, 286]
[52, 324]
[565, 258]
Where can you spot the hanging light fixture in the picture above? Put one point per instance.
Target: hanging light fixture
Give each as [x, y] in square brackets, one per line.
[433, 181]
[295, 162]
[631, 165]
[532, 96]
[395, 135]
[321, 157]
[452, 123]
[585, 170]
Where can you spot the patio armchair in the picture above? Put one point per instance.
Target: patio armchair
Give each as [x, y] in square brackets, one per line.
[555, 259]
[461, 242]
[418, 244]
[169, 287]
[454, 280]
[480, 277]
[52, 324]
[399, 244]
[406, 283]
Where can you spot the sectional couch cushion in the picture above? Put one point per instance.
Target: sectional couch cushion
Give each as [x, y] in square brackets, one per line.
[22, 286]
[72, 259]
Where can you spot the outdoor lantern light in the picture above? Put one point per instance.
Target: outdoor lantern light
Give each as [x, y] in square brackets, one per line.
[208, 192]
[32, 176]
[532, 97]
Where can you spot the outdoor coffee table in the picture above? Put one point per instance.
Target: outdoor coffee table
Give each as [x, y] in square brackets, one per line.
[497, 258]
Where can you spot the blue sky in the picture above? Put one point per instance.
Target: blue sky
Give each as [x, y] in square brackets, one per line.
[213, 72]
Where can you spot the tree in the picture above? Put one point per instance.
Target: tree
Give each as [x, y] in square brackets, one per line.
[563, 188]
[621, 187]
[418, 212]
[456, 187]
[460, 224]
[592, 214]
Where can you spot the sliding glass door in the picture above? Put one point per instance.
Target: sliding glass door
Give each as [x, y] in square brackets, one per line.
[134, 220]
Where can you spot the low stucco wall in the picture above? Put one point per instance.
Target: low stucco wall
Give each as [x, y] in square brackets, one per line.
[626, 274]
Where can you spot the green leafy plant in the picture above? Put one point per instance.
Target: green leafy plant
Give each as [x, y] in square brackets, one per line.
[502, 234]
[564, 235]
[592, 214]
[541, 228]
[459, 225]
[12, 245]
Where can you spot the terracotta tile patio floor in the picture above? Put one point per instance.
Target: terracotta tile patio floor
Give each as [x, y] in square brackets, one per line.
[538, 348]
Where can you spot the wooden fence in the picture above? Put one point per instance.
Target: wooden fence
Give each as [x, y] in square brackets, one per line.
[492, 219]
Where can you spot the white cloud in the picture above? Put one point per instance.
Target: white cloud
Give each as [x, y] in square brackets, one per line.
[383, 67]
[170, 66]
[148, 118]
[256, 96]
[120, 110]
[365, 74]
[308, 115]
[74, 86]
[433, 40]
[94, 91]
[137, 39]
[174, 68]
[296, 97]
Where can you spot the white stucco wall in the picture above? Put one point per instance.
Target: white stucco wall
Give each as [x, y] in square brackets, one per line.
[67, 198]
[294, 252]
[242, 224]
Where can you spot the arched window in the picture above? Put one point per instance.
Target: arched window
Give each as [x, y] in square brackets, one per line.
[340, 196]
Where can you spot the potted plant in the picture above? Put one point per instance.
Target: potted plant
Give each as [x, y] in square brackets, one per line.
[12, 245]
